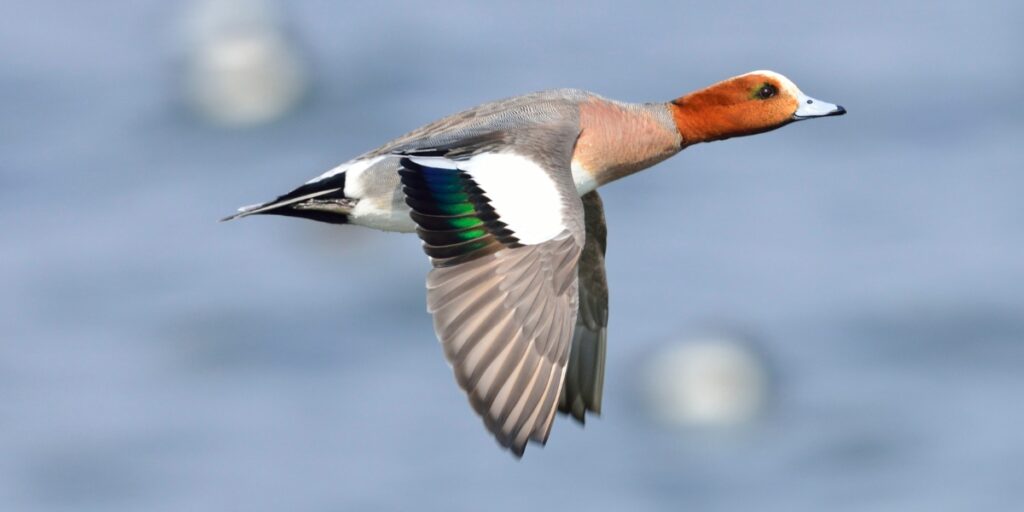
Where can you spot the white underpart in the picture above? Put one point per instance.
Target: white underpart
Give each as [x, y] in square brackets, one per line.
[520, 191]
[584, 179]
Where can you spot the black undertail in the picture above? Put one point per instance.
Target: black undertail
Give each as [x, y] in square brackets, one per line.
[326, 202]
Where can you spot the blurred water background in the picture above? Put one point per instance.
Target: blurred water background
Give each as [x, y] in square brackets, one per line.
[154, 359]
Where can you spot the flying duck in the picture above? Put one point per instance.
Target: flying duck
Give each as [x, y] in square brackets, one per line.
[503, 196]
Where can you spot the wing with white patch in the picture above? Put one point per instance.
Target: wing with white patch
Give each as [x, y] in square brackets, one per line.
[504, 239]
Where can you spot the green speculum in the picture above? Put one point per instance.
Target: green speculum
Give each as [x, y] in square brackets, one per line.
[471, 234]
[455, 208]
[465, 222]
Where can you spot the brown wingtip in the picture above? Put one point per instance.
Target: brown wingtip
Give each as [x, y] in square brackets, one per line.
[517, 450]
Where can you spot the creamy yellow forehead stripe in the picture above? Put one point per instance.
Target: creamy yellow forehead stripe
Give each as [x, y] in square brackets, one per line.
[786, 84]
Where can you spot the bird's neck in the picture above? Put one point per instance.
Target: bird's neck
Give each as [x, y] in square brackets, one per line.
[619, 139]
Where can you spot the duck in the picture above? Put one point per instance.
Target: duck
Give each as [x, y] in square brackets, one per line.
[504, 198]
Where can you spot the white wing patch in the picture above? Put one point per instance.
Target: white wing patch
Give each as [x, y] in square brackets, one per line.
[520, 190]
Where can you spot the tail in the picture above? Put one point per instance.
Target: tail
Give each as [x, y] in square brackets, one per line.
[322, 200]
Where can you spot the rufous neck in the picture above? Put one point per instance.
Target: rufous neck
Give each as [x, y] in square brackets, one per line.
[701, 119]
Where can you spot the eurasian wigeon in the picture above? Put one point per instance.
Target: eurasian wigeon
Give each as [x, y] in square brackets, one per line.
[504, 197]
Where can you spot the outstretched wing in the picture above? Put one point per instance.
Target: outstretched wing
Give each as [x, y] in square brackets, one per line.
[504, 236]
[584, 377]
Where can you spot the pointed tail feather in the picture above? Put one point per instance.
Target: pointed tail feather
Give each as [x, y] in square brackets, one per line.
[322, 201]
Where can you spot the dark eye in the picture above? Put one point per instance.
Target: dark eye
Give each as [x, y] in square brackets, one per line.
[767, 91]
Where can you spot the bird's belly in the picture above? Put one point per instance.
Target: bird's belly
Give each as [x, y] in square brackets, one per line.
[383, 214]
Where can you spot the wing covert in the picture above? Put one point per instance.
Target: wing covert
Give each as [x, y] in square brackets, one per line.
[504, 241]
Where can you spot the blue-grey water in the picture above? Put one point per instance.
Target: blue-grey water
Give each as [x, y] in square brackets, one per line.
[154, 359]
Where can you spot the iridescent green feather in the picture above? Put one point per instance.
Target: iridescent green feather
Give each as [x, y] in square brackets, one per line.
[450, 210]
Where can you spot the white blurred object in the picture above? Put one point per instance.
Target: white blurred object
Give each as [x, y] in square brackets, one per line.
[240, 67]
[707, 382]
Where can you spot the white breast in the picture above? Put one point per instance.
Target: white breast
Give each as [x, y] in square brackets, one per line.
[584, 179]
